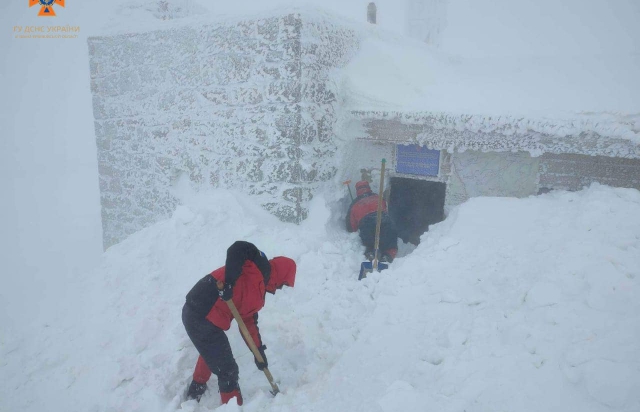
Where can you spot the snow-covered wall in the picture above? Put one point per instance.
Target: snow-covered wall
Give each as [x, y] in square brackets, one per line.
[244, 104]
[603, 134]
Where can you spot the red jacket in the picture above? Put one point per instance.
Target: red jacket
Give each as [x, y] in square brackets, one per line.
[362, 208]
[249, 297]
[364, 204]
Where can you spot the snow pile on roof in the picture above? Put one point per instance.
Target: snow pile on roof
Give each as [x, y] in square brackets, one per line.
[570, 67]
[394, 74]
[517, 97]
[510, 304]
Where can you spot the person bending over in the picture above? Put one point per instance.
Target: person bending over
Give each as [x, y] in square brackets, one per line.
[245, 278]
[361, 217]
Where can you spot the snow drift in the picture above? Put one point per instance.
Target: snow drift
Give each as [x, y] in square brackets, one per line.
[509, 304]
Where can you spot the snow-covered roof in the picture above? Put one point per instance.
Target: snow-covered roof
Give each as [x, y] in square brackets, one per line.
[575, 104]
[396, 73]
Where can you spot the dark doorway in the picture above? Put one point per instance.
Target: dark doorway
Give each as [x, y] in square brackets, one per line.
[414, 205]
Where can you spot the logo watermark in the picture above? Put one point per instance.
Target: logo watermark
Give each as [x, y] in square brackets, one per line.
[46, 32]
[46, 7]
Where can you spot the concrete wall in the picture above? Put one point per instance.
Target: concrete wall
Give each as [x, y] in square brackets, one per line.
[573, 172]
[247, 105]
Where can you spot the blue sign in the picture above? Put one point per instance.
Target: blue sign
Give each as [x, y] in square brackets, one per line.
[417, 160]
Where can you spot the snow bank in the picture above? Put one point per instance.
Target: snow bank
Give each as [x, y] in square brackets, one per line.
[509, 304]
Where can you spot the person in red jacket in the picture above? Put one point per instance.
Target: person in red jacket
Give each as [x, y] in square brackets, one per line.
[362, 215]
[245, 278]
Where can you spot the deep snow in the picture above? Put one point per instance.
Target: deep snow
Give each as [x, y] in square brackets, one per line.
[48, 161]
[542, 291]
[509, 304]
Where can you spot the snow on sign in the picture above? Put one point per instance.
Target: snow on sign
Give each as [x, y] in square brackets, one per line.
[417, 160]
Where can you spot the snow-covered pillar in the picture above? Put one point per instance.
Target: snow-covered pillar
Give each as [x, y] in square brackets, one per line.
[371, 13]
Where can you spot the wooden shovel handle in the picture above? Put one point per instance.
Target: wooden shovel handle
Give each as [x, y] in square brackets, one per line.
[251, 343]
[379, 216]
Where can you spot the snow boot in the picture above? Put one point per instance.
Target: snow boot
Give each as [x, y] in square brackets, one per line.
[196, 390]
[369, 254]
[225, 397]
[389, 255]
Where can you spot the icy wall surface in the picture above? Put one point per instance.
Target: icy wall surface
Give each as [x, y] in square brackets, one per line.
[246, 105]
[602, 135]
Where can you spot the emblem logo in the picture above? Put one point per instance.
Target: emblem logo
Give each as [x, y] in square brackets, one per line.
[46, 9]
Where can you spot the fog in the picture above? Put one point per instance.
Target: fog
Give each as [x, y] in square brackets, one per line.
[542, 27]
[51, 227]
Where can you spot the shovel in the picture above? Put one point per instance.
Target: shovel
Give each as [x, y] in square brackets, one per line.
[347, 183]
[370, 266]
[252, 345]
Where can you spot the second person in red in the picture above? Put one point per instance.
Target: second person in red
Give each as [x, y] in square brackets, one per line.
[361, 217]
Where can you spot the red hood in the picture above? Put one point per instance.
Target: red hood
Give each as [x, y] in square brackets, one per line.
[283, 272]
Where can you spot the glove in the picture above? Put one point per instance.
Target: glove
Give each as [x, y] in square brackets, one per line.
[196, 390]
[226, 293]
[261, 365]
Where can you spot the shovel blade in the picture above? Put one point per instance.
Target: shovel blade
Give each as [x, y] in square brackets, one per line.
[274, 386]
[365, 267]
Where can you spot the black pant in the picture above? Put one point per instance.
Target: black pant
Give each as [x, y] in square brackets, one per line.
[388, 232]
[213, 345]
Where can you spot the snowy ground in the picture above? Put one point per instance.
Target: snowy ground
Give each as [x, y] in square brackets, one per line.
[508, 305]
